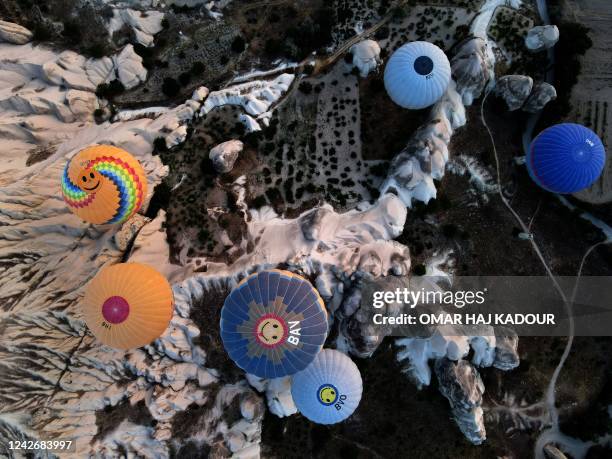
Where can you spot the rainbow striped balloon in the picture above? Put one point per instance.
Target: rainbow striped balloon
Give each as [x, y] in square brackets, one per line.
[104, 185]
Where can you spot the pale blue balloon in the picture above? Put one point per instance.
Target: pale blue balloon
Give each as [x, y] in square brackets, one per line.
[329, 389]
[417, 75]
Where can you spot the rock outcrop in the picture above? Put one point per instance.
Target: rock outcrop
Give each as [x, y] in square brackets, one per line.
[413, 170]
[461, 384]
[541, 38]
[14, 33]
[224, 155]
[144, 24]
[355, 313]
[130, 70]
[278, 394]
[472, 68]
[176, 137]
[506, 349]
[256, 97]
[366, 56]
[541, 95]
[514, 89]
[520, 92]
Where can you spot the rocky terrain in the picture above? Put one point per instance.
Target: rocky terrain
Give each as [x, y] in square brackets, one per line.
[277, 147]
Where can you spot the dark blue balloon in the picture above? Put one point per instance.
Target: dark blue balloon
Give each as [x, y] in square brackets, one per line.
[273, 324]
[566, 158]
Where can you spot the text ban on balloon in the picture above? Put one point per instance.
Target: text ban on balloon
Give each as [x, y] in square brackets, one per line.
[294, 333]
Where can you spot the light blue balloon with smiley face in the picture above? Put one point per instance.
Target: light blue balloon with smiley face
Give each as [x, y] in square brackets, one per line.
[329, 390]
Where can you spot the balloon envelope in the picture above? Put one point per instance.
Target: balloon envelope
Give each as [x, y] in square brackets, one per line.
[104, 184]
[128, 305]
[566, 158]
[273, 324]
[417, 75]
[329, 389]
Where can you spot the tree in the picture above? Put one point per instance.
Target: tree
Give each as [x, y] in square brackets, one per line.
[238, 44]
[170, 87]
[197, 68]
[110, 90]
[305, 87]
[184, 78]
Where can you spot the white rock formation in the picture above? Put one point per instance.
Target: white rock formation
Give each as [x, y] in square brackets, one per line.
[14, 33]
[212, 6]
[480, 177]
[126, 235]
[151, 247]
[256, 97]
[278, 394]
[461, 384]
[514, 89]
[249, 122]
[199, 94]
[541, 95]
[130, 70]
[352, 241]
[519, 91]
[541, 38]
[412, 171]
[46, 97]
[224, 155]
[473, 68]
[366, 56]
[458, 379]
[148, 112]
[144, 24]
[176, 137]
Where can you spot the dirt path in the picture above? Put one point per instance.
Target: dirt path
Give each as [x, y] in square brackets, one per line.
[327, 61]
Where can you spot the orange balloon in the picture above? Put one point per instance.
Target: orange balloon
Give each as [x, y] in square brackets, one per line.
[128, 305]
[104, 184]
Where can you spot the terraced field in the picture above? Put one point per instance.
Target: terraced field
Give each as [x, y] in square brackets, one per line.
[592, 96]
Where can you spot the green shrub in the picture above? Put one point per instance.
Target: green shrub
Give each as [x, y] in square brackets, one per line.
[238, 44]
[184, 78]
[259, 201]
[197, 68]
[110, 90]
[170, 87]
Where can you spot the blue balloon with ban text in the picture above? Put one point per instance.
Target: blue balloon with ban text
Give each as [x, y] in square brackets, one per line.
[273, 324]
[566, 158]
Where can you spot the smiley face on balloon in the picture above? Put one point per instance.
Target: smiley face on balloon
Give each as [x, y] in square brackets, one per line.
[104, 185]
[91, 180]
[328, 394]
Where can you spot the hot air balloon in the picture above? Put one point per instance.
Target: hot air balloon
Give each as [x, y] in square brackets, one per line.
[273, 324]
[566, 158]
[329, 389]
[128, 305]
[104, 184]
[417, 75]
